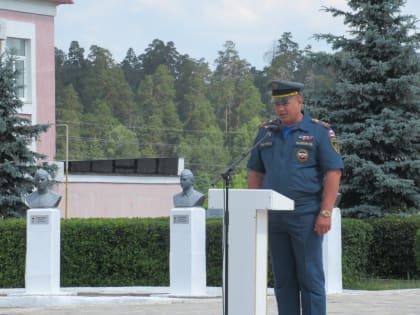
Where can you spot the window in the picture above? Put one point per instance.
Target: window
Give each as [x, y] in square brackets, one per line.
[18, 48]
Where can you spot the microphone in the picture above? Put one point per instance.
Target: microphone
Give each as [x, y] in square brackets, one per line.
[273, 127]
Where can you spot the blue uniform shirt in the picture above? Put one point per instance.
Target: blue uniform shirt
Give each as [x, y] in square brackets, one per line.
[295, 164]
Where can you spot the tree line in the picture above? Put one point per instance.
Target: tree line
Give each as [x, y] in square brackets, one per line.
[162, 103]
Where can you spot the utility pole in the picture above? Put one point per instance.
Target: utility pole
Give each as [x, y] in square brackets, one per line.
[67, 169]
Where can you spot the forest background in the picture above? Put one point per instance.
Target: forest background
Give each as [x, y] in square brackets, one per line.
[162, 103]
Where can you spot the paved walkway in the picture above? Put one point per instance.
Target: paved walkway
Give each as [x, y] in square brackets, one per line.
[155, 301]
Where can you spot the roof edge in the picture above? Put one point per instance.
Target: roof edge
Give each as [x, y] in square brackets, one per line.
[62, 1]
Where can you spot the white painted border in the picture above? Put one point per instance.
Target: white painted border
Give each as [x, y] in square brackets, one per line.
[30, 6]
[26, 31]
[123, 179]
[127, 179]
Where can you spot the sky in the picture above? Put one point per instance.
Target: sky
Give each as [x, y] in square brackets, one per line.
[199, 28]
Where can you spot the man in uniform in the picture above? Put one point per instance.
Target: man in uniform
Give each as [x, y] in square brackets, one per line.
[300, 160]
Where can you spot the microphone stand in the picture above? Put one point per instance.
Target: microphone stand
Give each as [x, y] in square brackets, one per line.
[226, 175]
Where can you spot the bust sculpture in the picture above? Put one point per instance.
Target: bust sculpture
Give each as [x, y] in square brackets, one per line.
[42, 197]
[189, 197]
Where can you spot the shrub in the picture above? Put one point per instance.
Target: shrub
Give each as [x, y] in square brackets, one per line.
[135, 252]
[392, 250]
[356, 237]
[12, 253]
[115, 252]
[214, 252]
[417, 250]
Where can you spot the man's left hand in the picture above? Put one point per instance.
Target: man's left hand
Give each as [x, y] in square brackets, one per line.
[322, 225]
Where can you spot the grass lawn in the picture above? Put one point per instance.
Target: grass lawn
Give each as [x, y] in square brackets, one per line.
[383, 284]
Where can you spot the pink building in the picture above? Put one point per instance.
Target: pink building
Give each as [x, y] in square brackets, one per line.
[142, 187]
[27, 29]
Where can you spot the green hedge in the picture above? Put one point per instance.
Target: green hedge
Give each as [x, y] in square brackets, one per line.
[95, 252]
[12, 253]
[135, 252]
[115, 252]
[214, 252]
[107, 252]
[356, 238]
[392, 253]
[417, 250]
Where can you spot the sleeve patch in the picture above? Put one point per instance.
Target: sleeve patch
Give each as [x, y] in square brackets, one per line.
[334, 144]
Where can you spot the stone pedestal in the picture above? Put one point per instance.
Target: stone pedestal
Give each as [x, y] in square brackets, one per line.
[187, 258]
[331, 250]
[42, 274]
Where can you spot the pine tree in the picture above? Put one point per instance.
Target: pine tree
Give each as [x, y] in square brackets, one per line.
[74, 67]
[248, 103]
[285, 59]
[131, 68]
[375, 105]
[69, 111]
[229, 63]
[191, 89]
[17, 161]
[121, 142]
[105, 82]
[156, 54]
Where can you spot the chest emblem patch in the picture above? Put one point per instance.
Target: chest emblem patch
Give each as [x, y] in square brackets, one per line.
[302, 155]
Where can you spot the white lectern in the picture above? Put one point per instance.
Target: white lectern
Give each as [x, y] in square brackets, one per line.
[247, 245]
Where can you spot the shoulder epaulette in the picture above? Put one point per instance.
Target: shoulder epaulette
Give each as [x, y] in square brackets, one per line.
[319, 122]
[268, 123]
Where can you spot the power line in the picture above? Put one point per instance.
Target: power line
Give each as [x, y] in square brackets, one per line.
[148, 128]
[144, 144]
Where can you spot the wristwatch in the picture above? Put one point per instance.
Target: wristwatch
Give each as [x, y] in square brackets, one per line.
[326, 213]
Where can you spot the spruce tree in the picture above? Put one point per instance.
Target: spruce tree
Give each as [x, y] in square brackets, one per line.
[374, 106]
[17, 161]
